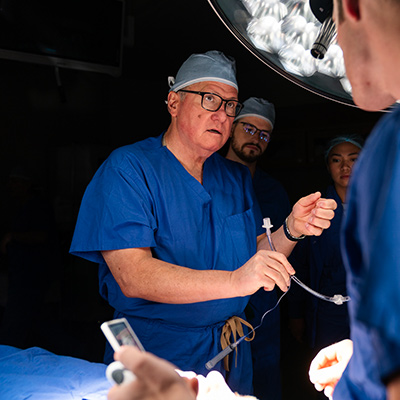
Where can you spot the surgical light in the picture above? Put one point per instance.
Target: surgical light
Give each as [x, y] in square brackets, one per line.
[293, 37]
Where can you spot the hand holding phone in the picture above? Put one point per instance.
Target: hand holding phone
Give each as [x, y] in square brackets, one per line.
[119, 333]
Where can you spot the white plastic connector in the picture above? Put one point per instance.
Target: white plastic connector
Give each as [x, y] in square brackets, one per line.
[339, 299]
[267, 224]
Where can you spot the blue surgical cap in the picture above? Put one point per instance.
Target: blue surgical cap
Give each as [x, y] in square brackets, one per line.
[353, 139]
[254, 107]
[210, 66]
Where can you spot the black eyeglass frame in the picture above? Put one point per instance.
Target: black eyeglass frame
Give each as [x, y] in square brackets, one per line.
[238, 108]
[263, 133]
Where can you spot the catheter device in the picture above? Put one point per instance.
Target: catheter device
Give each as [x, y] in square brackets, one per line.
[337, 299]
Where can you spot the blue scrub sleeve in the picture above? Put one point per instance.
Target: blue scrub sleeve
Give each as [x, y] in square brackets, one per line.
[115, 214]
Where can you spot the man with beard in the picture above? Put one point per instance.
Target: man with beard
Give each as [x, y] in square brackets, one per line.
[250, 135]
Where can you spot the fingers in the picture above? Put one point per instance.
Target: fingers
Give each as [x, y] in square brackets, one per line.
[315, 199]
[312, 214]
[156, 378]
[328, 365]
[130, 356]
[265, 269]
[281, 259]
[327, 204]
[274, 269]
[325, 376]
[325, 358]
[326, 379]
[328, 391]
[321, 215]
[310, 200]
[144, 365]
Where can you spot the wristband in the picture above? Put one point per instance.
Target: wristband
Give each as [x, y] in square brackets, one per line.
[289, 235]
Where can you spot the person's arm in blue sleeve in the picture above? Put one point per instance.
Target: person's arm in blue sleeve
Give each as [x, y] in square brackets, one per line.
[139, 274]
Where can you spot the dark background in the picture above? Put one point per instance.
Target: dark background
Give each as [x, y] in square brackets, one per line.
[63, 137]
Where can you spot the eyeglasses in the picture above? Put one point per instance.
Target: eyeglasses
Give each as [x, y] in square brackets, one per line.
[213, 102]
[251, 129]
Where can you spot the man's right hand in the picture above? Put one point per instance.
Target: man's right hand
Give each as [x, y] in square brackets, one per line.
[265, 269]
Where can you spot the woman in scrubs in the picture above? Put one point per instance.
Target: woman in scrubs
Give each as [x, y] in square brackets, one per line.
[319, 261]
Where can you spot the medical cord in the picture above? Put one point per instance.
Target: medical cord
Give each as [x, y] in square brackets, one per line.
[214, 361]
[338, 299]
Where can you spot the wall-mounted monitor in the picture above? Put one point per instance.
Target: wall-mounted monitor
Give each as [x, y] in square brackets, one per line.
[78, 34]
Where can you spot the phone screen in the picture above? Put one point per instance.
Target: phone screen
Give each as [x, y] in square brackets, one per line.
[122, 334]
[119, 333]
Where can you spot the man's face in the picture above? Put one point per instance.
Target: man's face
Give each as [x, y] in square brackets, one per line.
[247, 147]
[202, 130]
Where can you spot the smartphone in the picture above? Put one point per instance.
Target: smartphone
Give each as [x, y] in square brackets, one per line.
[118, 332]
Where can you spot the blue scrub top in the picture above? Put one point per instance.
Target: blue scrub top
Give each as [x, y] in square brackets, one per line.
[371, 238]
[142, 196]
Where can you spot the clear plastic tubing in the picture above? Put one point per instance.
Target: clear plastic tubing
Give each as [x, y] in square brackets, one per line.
[338, 299]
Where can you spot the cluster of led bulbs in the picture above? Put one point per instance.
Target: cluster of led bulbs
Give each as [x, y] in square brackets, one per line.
[288, 29]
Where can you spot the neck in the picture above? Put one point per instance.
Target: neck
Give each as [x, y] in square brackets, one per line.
[192, 162]
[341, 191]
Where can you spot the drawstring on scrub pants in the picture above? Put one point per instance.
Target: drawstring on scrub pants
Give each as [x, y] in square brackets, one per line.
[232, 326]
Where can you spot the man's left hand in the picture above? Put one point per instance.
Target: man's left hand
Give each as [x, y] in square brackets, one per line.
[311, 215]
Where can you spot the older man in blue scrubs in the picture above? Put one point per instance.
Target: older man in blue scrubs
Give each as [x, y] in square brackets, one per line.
[177, 232]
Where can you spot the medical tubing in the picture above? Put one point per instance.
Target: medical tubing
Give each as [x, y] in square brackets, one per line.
[214, 361]
[270, 243]
[228, 350]
[337, 298]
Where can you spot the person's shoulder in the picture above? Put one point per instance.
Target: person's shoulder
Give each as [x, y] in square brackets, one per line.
[261, 174]
[229, 172]
[233, 166]
[389, 124]
[330, 192]
[268, 181]
[134, 150]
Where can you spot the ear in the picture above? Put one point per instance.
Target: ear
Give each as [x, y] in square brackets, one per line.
[173, 101]
[352, 9]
